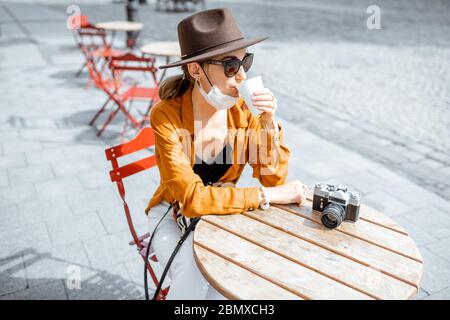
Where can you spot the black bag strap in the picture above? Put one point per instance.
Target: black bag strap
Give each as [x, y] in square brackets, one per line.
[172, 257]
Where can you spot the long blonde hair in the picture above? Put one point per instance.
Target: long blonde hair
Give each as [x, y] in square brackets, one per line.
[176, 85]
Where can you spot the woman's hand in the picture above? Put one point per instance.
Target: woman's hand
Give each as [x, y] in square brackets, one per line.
[291, 192]
[265, 101]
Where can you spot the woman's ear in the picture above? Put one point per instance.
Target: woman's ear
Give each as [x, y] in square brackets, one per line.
[194, 70]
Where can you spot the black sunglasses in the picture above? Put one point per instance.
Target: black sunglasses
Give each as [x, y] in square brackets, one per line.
[231, 66]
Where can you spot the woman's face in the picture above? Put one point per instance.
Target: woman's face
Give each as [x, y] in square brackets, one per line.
[217, 75]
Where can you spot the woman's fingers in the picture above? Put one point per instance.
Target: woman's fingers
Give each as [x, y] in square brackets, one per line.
[265, 109]
[261, 97]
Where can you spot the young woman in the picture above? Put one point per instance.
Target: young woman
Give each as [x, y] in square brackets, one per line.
[205, 134]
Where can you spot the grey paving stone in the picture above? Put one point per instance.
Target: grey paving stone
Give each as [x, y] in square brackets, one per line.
[20, 146]
[76, 229]
[86, 201]
[437, 272]
[420, 148]
[114, 219]
[427, 174]
[445, 169]
[432, 163]
[111, 249]
[391, 179]
[386, 203]
[362, 181]
[55, 263]
[4, 181]
[12, 161]
[17, 240]
[47, 155]
[421, 295]
[8, 216]
[48, 291]
[420, 236]
[441, 248]
[413, 156]
[440, 156]
[323, 170]
[431, 220]
[440, 295]
[23, 54]
[17, 194]
[113, 283]
[418, 197]
[43, 210]
[59, 187]
[33, 173]
[72, 167]
[92, 180]
[12, 273]
[135, 270]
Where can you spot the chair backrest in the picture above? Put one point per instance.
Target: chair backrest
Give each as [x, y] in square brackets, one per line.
[129, 64]
[132, 62]
[144, 139]
[91, 38]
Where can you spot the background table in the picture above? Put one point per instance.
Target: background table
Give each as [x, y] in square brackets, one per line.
[114, 26]
[167, 49]
[286, 253]
[120, 25]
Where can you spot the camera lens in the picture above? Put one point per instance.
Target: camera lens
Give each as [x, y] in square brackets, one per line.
[332, 215]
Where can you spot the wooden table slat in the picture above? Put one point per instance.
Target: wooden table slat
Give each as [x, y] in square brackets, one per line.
[280, 270]
[366, 279]
[383, 237]
[238, 283]
[405, 269]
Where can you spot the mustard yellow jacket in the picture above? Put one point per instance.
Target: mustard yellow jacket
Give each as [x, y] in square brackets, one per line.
[173, 125]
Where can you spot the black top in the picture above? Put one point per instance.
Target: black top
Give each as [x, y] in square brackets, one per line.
[211, 173]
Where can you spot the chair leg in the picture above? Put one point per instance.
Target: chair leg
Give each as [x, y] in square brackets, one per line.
[112, 115]
[99, 112]
[80, 70]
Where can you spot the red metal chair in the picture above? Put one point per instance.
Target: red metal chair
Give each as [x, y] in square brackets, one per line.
[111, 86]
[143, 140]
[122, 67]
[92, 42]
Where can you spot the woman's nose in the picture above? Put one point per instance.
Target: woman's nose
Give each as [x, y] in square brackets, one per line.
[241, 76]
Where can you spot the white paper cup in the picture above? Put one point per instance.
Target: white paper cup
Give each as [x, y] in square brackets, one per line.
[246, 90]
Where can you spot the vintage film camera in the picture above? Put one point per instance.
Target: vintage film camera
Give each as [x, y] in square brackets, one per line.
[336, 204]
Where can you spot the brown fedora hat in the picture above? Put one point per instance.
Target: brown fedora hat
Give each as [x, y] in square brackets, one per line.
[209, 33]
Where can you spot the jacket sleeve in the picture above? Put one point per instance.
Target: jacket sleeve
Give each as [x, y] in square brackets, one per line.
[269, 159]
[187, 187]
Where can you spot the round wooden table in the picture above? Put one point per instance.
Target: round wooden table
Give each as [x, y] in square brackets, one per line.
[114, 26]
[120, 25]
[162, 48]
[286, 253]
[167, 49]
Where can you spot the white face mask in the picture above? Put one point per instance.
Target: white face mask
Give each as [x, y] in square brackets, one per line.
[216, 98]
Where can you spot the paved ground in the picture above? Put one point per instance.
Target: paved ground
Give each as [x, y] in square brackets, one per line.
[377, 101]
